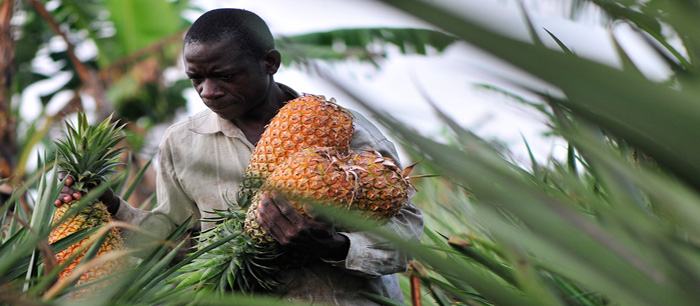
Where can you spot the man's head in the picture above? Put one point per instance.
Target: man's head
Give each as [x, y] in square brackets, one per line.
[229, 55]
[246, 31]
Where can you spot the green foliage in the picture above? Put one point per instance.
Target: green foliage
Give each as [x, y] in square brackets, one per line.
[615, 224]
[363, 44]
[139, 24]
[88, 153]
[232, 261]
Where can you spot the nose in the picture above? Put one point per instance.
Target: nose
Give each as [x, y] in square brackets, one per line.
[209, 89]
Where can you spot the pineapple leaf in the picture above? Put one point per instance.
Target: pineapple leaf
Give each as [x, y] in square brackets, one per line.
[87, 153]
[137, 178]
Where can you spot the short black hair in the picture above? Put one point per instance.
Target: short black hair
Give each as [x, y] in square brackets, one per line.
[249, 32]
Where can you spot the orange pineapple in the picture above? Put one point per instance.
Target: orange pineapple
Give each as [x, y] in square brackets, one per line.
[87, 155]
[305, 122]
[365, 182]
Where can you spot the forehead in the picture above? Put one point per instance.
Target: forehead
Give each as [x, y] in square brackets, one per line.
[213, 54]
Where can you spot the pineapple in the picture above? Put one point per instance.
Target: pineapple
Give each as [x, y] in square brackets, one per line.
[364, 182]
[305, 122]
[88, 156]
[384, 187]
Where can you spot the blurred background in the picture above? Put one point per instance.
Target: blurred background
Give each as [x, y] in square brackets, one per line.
[131, 48]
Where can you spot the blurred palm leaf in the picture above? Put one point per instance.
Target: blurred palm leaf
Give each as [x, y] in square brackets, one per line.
[623, 103]
[362, 44]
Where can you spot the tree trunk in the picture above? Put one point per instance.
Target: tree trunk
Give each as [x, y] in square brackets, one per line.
[8, 145]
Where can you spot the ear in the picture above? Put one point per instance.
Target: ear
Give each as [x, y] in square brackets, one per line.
[273, 60]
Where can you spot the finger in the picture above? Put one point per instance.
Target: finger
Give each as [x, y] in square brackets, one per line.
[77, 195]
[309, 210]
[272, 221]
[268, 213]
[287, 210]
[58, 203]
[67, 190]
[69, 181]
[66, 198]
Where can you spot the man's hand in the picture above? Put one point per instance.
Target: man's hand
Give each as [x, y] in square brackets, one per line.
[292, 230]
[68, 194]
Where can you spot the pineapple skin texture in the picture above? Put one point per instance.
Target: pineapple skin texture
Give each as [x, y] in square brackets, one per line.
[363, 182]
[91, 215]
[384, 190]
[306, 122]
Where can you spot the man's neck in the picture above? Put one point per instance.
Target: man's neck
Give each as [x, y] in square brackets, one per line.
[253, 124]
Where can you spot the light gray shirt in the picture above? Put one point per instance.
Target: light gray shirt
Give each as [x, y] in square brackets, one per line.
[202, 160]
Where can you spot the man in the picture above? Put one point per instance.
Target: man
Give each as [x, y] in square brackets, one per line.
[229, 55]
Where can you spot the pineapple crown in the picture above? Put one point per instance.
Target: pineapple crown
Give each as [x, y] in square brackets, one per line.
[87, 153]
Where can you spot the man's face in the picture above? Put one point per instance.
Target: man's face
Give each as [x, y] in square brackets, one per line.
[229, 83]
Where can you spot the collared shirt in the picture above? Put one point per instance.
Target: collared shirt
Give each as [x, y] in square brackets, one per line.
[201, 163]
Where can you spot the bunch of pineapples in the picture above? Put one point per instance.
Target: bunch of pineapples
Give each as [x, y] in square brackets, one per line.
[365, 182]
[306, 122]
[303, 156]
[87, 154]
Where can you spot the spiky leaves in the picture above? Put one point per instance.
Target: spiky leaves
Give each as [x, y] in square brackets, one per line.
[239, 264]
[87, 153]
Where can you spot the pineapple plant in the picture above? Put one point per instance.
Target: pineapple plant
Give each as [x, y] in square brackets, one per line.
[305, 122]
[87, 154]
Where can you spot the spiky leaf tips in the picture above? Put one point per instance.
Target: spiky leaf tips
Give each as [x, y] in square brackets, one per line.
[88, 155]
[238, 264]
[303, 123]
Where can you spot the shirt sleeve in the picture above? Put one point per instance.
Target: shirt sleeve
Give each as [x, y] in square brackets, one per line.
[368, 254]
[130, 214]
[174, 206]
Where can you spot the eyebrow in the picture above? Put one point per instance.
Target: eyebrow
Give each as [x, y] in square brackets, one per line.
[220, 71]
